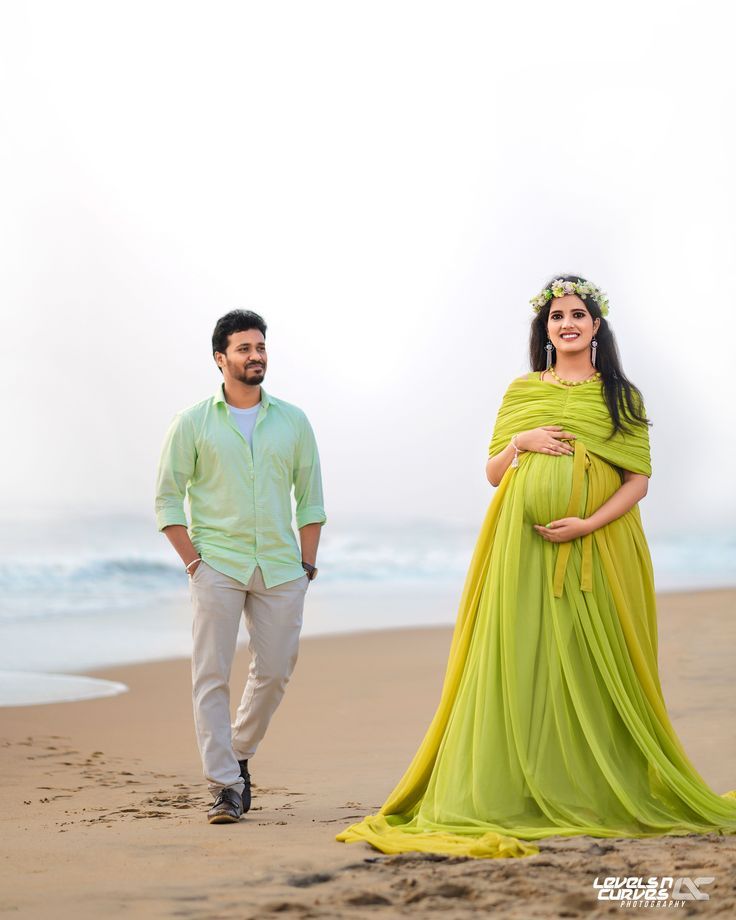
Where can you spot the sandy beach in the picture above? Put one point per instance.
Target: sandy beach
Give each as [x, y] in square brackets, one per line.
[103, 802]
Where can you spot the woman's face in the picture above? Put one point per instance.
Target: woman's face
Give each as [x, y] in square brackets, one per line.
[570, 327]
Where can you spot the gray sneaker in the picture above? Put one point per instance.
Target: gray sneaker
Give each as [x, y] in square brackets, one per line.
[227, 809]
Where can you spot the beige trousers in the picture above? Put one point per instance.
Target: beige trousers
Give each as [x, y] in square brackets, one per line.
[274, 620]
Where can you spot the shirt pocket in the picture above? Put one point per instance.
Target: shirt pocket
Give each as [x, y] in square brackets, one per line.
[275, 454]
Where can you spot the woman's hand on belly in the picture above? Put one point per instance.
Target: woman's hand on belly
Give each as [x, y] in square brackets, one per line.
[563, 530]
[546, 440]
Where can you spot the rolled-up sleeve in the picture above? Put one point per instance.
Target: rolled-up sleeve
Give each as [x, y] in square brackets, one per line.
[175, 470]
[308, 480]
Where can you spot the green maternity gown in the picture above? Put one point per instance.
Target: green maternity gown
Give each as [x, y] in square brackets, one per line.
[551, 720]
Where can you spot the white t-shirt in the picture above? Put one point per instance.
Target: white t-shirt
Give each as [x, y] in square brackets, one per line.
[245, 419]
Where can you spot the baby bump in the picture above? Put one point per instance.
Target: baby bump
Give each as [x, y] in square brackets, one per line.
[547, 487]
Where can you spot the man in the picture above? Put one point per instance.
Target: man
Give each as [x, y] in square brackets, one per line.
[237, 455]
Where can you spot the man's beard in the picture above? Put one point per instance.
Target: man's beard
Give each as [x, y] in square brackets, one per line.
[250, 375]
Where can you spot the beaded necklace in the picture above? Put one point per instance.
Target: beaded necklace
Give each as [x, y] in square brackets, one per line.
[591, 378]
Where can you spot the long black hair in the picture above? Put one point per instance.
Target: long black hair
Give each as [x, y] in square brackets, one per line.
[625, 401]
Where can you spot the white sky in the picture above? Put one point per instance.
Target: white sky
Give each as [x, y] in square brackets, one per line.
[388, 183]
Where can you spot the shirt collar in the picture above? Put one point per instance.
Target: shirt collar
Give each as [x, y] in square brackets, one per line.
[219, 396]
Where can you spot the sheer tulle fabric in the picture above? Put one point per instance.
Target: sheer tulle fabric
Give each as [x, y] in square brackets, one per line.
[551, 720]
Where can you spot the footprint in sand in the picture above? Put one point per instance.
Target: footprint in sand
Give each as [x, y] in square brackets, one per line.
[446, 890]
[161, 805]
[368, 899]
[341, 820]
[307, 881]
[263, 790]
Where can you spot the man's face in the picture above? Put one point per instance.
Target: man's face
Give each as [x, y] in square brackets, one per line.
[245, 357]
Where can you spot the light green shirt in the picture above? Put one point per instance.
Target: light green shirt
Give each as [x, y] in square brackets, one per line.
[240, 498]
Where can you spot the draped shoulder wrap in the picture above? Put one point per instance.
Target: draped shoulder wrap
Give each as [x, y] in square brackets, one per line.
[531, 403]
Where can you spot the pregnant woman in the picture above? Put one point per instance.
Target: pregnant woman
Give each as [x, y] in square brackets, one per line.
[552, 720]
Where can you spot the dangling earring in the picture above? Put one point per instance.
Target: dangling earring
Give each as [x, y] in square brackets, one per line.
[548, 348]
[593, 350]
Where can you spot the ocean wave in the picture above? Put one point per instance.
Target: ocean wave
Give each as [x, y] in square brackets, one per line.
[42, 588]
[91, 583]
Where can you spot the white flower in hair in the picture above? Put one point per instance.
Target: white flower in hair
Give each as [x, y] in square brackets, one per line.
[560, 288]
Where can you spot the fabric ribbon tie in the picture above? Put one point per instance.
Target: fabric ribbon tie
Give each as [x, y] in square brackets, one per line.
[580, 462]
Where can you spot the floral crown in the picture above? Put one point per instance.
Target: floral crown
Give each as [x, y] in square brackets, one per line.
[559, 288]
